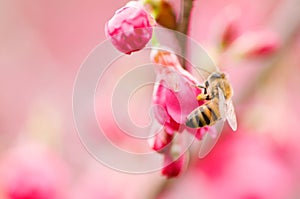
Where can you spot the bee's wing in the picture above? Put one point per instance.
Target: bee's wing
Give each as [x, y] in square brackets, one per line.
[210, 138]
[212, 135]
[222, 104]
[230, 115]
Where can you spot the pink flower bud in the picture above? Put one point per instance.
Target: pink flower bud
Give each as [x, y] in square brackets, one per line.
[160, 141]
[255, 44]
[174, 163]
[130, 29]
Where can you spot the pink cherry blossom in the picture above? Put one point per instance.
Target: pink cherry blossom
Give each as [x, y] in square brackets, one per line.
[130, 29]
[174, 165]
[175, 93]
[174, 98]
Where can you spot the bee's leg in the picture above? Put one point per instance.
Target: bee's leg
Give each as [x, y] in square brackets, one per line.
[203, 96]
[206, 84]
[205, 87]
[202, 87]
[205, 90]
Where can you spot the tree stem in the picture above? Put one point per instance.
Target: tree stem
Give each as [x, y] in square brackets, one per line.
[183, 27]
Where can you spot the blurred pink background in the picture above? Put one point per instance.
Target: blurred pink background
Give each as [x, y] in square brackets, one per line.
[42, 45]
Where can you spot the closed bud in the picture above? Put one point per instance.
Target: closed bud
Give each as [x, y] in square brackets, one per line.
[174, 162]
[130, 29]
[161, 141]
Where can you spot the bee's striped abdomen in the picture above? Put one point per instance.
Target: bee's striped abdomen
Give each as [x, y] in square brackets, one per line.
[204, 115]
[213, 109]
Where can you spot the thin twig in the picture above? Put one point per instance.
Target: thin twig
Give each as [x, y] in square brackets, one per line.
[184, 19]
[183, 26]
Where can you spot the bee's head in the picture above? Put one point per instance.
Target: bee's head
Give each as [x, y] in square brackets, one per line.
[216, 75]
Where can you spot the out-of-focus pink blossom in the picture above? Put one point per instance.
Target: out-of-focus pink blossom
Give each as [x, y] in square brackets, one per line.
[32, 173]
[247, 166]
[240, 167]
[130, 29]
[175, 92]
[255, 44]
[225, 26]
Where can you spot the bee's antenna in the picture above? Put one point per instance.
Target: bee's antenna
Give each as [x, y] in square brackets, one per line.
[204, 70]
[207, 71]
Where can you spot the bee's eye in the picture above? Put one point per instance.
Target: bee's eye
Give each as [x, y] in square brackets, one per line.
[206, 84]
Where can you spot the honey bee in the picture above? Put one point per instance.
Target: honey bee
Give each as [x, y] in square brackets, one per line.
[213, 113]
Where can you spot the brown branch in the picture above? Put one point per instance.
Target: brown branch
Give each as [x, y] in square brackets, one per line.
[183, 26]
[185, 14]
